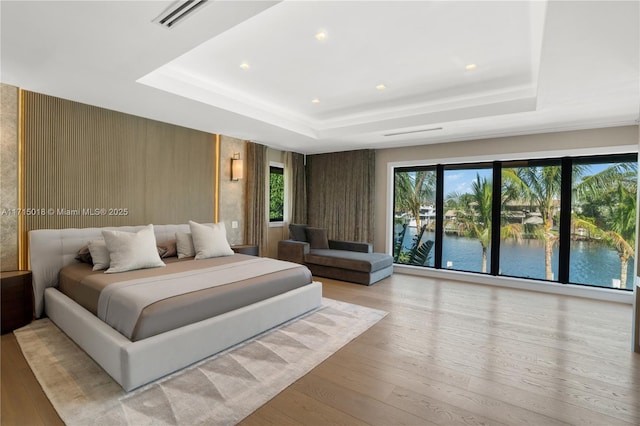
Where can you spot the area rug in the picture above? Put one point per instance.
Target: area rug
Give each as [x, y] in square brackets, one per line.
[220, 390]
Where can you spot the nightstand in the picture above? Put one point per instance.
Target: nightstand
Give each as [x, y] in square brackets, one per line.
[249, 249]
[16, 300]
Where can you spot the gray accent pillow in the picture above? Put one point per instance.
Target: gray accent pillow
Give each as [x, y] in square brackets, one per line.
[317, 238]
[84, 255]
[297, 232]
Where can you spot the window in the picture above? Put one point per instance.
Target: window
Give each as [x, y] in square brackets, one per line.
[415, 216]
[466, 234]
[569, 220]
[530, 216]
[276, 193]
[603, 222]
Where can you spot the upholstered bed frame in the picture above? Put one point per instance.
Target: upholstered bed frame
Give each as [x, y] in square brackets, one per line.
[133, 364]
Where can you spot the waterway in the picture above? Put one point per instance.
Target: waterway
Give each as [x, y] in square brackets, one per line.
[590, 263]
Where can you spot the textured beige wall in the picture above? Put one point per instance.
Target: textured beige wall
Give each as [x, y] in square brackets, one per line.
[516, 147]
[232, 193]
[8, 177]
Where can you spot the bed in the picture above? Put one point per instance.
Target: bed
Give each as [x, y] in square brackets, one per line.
[144, 352]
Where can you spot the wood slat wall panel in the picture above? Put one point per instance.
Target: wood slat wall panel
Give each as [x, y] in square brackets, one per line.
[84, 164]
[180, 165]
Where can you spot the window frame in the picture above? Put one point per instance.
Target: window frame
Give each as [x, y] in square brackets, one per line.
[279, 169]
[564, 222]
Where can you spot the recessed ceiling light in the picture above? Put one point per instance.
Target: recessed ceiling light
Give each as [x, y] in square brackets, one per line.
[381, 87]
[315, 101]
[245, 66]
[471, 67]
[321, 36]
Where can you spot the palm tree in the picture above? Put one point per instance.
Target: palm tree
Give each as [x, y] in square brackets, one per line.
[398, 243]
[593, 186]
[473, 213]
[420, 252]
[623, 228]
[540, 186]
[413, 190]
[611, 198]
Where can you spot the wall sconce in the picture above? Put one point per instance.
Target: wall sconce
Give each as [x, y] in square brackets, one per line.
[236, 167]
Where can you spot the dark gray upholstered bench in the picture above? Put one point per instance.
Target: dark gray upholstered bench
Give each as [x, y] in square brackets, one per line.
[341, 260]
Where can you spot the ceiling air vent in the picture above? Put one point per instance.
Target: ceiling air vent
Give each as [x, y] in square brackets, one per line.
[413, 131]
[178, 11]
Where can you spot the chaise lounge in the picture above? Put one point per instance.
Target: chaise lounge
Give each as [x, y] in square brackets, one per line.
[341, 260]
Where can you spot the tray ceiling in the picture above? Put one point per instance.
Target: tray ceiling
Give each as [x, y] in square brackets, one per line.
[315, 76]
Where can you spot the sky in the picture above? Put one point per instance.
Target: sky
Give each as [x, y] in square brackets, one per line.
[460, 180]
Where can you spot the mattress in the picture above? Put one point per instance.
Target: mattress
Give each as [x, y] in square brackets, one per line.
[85, 287]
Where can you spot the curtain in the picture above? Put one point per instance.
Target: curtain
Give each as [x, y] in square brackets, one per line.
[298, 189]
[341, 194]
[288, 181]
[295, 190]
[256, 202]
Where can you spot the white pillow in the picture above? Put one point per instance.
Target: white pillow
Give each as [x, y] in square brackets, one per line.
[184, 245]
[129, 251]
[99, 254]
[210, 240]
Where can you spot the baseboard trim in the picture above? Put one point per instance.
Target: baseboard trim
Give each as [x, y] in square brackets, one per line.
[597, 293]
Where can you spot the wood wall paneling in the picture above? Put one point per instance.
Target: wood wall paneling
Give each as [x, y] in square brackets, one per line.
[179, 174]
[88, 166]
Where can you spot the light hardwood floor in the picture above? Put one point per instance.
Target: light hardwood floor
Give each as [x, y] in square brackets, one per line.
[447, 353]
